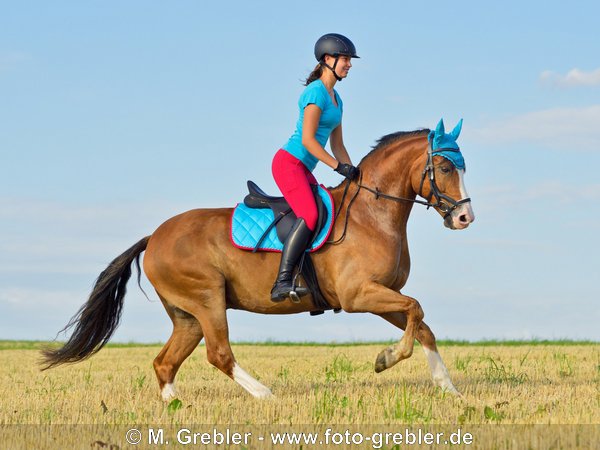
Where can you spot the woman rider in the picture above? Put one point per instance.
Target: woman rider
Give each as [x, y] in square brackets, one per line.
[320, 119]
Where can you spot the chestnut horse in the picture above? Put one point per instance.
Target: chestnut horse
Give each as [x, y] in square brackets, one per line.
[198, 274]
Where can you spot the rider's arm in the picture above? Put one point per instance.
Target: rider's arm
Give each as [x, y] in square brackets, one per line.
[337, 146]
[310, 124]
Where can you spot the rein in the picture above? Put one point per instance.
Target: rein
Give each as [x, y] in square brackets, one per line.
[337, 213]
[444, 203]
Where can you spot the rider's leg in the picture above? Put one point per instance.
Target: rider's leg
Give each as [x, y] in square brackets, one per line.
[294, 246]
[294, 180]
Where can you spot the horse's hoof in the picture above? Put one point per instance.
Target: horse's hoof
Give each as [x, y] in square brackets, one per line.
[380, 364]
[264, 394]
[168, 392]
[452, 391]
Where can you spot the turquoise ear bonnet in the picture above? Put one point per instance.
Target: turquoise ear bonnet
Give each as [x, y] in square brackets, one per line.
[445, 145]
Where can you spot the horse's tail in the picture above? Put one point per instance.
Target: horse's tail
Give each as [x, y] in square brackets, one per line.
[99, 317]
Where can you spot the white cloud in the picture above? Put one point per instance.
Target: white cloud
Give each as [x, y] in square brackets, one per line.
[562, 192]
[36, 299]
[575, 77]
[569, 129]
[10, 60]
[40, 211]
[53, 237]
[557, 192]
[41, 312]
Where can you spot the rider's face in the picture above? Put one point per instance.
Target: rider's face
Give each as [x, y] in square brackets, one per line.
[343, 65]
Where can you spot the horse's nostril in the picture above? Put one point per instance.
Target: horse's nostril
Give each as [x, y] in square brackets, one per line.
[463, 218]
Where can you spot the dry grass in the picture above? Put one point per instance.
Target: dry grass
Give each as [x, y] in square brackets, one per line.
[507, 389]
[313, 385]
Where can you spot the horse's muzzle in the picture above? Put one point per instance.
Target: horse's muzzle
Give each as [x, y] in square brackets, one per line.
[460, 217]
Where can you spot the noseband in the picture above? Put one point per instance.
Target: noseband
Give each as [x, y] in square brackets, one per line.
[444, 203]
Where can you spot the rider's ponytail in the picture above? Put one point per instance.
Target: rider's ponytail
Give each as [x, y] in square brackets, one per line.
[315, 74]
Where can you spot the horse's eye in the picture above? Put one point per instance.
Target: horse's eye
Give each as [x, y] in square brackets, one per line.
[445, 169]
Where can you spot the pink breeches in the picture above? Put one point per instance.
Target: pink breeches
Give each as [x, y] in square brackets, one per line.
[294, 180]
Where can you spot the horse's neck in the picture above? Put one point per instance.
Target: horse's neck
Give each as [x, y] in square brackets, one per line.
[389, 170]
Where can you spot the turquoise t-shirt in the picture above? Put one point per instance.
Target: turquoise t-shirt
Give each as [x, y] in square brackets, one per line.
[331, 116]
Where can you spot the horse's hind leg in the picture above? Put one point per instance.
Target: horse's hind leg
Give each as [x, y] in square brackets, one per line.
[426, 338]
[212, 315]
[187, 334]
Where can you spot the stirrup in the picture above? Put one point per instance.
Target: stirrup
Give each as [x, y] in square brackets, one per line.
[294, 294]
[298, 292]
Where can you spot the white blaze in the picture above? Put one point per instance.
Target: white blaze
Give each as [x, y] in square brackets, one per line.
[463, 190]
[464, 209]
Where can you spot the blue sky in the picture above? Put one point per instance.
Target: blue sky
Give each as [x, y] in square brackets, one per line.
[115, 116]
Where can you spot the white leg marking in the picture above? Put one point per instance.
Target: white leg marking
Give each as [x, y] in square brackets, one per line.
[244, 379]
[168, 392]
[439, 373]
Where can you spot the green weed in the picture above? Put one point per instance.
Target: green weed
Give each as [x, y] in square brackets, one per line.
[283, 374]
[403, 409]
[467, 415]
[139, 381]
[328, 405]
[174, 405]
[340, 370]
[87, 376]
[48, 414]
[564, 365]
[498, 373]
[492, 415]
[462, 363]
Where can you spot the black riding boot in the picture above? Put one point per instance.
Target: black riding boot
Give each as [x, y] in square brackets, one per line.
[293, 248]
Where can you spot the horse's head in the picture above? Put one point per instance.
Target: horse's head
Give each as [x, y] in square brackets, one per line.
[442, 180]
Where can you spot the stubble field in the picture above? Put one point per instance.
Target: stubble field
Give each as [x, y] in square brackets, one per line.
[555, 384]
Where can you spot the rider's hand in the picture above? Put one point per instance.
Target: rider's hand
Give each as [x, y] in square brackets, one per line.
[347, 170]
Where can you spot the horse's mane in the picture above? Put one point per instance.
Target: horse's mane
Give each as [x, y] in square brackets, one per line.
[391, 138]
[386, 141]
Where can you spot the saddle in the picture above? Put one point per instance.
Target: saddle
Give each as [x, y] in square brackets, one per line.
[252, 226]
[284, 217]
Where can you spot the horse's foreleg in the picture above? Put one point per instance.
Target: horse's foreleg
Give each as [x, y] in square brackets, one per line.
[426, 338]
[379, 299]
[186, 336]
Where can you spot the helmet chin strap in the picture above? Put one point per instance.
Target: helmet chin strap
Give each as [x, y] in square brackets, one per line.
[323, 63]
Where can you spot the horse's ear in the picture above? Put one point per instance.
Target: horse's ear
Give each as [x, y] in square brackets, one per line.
[440, 131]
[456, 132]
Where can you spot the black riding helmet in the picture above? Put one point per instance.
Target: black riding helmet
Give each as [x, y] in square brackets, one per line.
[335, 45]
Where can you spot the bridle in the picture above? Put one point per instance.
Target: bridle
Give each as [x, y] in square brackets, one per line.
[444, 203]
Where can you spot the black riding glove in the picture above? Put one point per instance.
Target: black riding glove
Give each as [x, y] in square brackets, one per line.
[347, 170]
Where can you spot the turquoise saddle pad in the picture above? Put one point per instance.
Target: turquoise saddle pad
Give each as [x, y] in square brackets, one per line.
[249, 224]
